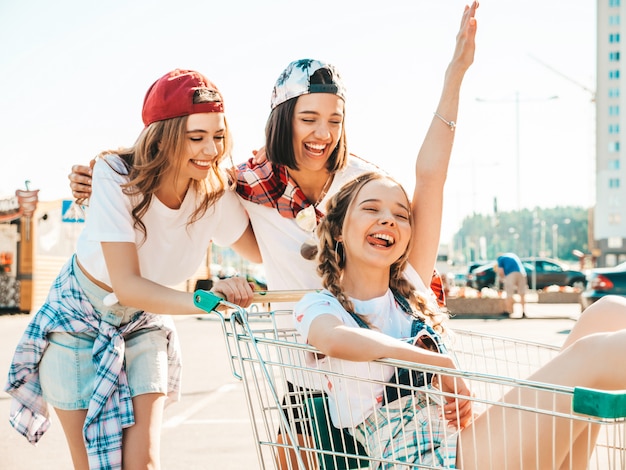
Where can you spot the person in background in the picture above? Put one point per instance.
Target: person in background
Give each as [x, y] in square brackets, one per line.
[103, 350]
[513, 275]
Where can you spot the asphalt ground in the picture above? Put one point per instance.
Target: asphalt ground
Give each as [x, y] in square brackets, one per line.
[209, 428]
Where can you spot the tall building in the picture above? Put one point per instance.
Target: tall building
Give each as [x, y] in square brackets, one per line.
[609, 223]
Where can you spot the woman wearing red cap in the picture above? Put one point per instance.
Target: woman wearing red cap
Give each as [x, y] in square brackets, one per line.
[102, 350]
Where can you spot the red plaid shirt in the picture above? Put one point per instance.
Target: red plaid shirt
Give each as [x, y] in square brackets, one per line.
[270, 185]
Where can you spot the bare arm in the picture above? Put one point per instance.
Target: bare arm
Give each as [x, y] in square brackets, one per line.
[132, 289]
[328, 334]
[247, 246]
[431, 167]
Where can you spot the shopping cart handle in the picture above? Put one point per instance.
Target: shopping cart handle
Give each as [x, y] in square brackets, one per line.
[206, 300]
[608, 404]
[266, 296]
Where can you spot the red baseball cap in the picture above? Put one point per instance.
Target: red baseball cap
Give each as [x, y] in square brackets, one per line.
[173, 96]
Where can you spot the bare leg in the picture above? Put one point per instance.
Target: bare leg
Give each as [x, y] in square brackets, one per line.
[141, 444]
[606, 315]
[582, 449]
[509, 438]
[72, 422]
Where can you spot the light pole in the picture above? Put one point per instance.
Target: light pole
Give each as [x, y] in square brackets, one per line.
[555, 238]
[536, 222]
[517, 101]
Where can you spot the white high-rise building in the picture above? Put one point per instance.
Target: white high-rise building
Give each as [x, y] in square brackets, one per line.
[609, 224]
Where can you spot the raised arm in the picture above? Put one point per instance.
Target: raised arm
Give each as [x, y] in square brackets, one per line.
[431, 167]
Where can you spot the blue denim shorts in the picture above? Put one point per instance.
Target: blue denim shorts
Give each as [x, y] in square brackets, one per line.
[67, 371]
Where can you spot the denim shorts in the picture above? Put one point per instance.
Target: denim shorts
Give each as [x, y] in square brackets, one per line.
[67, 371]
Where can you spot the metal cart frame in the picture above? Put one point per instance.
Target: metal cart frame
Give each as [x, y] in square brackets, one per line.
[266, 352]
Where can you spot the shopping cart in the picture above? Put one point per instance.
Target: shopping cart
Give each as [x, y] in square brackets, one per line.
[266, 353]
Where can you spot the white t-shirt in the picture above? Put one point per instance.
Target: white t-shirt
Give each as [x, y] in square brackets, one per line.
[173, 250]
[280, 238]
[351, 401]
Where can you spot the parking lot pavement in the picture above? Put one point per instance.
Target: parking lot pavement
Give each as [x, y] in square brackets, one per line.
[209, 427]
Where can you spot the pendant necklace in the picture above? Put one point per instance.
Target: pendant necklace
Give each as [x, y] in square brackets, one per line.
[307, 221]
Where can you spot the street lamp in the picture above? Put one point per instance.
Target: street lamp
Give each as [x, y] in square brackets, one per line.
[555, 238]
[517, 101]
[535, 230]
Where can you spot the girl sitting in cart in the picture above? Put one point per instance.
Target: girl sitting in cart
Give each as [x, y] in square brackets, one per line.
[370, 239]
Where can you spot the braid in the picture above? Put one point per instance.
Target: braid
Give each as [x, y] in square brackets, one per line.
[330, 260]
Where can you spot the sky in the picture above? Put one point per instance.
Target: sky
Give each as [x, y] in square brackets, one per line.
[73, 74]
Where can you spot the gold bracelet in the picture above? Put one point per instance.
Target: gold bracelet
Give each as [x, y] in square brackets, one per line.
[451, 124]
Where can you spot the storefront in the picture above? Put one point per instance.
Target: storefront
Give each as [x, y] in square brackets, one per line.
[16, 250]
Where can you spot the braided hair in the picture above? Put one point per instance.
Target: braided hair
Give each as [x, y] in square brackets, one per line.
[331, 256]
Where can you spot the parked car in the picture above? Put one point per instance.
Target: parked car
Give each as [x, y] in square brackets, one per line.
[604, 281]
[549, 273]
[482, 275]
[473, 266]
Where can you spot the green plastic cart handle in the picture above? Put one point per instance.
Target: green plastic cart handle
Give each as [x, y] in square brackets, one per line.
[206, 300]
[600, 403]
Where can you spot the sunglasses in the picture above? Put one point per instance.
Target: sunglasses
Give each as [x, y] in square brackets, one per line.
[426, 341]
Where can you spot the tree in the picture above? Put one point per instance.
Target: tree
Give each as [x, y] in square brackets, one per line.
[552, 232]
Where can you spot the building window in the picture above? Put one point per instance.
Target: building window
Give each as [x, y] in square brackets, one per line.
[614, 201]
[613, 128]
[613, 147]
[615, 219]
[614, 183]
[613, 74]
[614, 38]
[614, 110]
[614, 56]
[614, 164]
[613, 92]
[614, 3]
[614, 20]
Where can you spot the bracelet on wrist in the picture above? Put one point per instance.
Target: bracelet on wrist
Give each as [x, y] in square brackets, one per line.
[450, 124]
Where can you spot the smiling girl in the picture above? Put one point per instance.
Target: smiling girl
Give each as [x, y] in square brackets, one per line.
[102, 349]
[372, 299]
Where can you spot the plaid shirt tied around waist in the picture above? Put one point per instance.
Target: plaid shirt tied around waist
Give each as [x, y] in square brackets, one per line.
[110, 410]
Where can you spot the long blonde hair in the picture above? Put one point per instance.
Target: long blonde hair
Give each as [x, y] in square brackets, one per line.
[331, 261]
[157, 152]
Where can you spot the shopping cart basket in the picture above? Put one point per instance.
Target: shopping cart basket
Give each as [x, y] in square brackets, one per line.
[266, 353]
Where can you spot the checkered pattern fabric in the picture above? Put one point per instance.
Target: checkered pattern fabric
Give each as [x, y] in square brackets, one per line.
[110, 410]
[408, 430]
